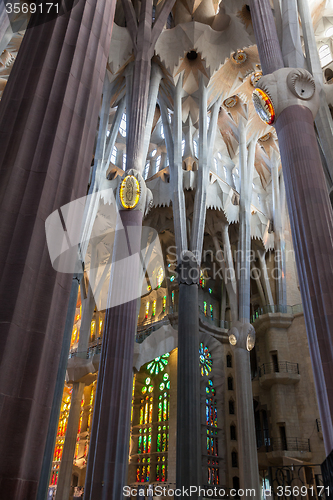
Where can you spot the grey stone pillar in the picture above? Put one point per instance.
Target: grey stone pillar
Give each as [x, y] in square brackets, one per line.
[266, 36]
[58, 392]
[324, 123]
[247, 446]
[108, 456]
[311, 223]
[66, 465]
[188, 468]
[312, 230]
[48, 117]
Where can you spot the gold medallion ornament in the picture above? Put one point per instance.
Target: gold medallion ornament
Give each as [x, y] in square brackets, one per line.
[265, 137]
[263, 106]
[230, 102]
[129, 192]
[239, 57]
[255, 77]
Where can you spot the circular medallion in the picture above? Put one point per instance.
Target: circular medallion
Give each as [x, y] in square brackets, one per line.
[239, 57]
[255, 78]
[265, 137]
[263, 106]
[129, 192]
[230, 102]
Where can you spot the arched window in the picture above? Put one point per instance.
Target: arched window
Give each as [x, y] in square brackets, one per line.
[325, 55]
[122, 127]
[230, 383]
[212, 435]
[150, 427]
[231, 407]
[229, 361]
[235, 485]
[328, 74]
[234, 459]
[233, 433]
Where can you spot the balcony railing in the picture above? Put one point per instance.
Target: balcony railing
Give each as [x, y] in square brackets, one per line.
[290, 444]
[280, 367]
[298, 308]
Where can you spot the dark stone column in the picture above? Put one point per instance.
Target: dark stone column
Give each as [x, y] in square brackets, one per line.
[311, 222]
[48, 122]
[188, 461]
[108, 456]
[58, 392]
[266, 36]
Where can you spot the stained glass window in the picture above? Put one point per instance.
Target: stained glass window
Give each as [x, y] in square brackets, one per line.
[92, 330]
[100, 328]
[202, 280]
[164, 303]
[158, 364]
[154, 308]
[152, 391]
[147, 310]
[205, 360]
[160, 277]
[211, 311]
[212, 435]
[173, 298]
[205, 308]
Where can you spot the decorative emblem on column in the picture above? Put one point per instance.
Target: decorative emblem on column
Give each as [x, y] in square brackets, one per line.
[129, 192]
[263, 106]
[132, 193]
[283, 88]
[242, 335]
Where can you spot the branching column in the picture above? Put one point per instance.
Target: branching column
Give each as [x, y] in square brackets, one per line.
[48, 122]
[248, 460]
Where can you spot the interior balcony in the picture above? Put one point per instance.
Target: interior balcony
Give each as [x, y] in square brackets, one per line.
[282, 372]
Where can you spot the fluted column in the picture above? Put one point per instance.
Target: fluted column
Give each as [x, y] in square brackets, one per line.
[188, 464]
[66, 466]
[48, 121]
[312, 230]
[266, 36]
[108, 455]
[58, 392]
[311, 223]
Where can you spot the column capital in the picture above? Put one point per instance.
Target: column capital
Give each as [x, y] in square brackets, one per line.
[284, 88]
[242, 335]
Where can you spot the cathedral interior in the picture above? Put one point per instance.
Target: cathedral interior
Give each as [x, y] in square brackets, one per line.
[166, 191]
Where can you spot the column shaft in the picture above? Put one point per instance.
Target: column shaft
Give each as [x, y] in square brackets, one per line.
[48, 122]
[266, 36]
[108, 456]
[188, 472]
[312, 230]
[58, 392]
[66, 466]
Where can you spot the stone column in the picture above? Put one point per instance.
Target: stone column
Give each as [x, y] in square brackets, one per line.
[188, 464]
[48, 122]
[312, 230]
[58, 392]
[66, 466]
[324, 123]
[266, 36]
[311, 222]
[108, 456]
